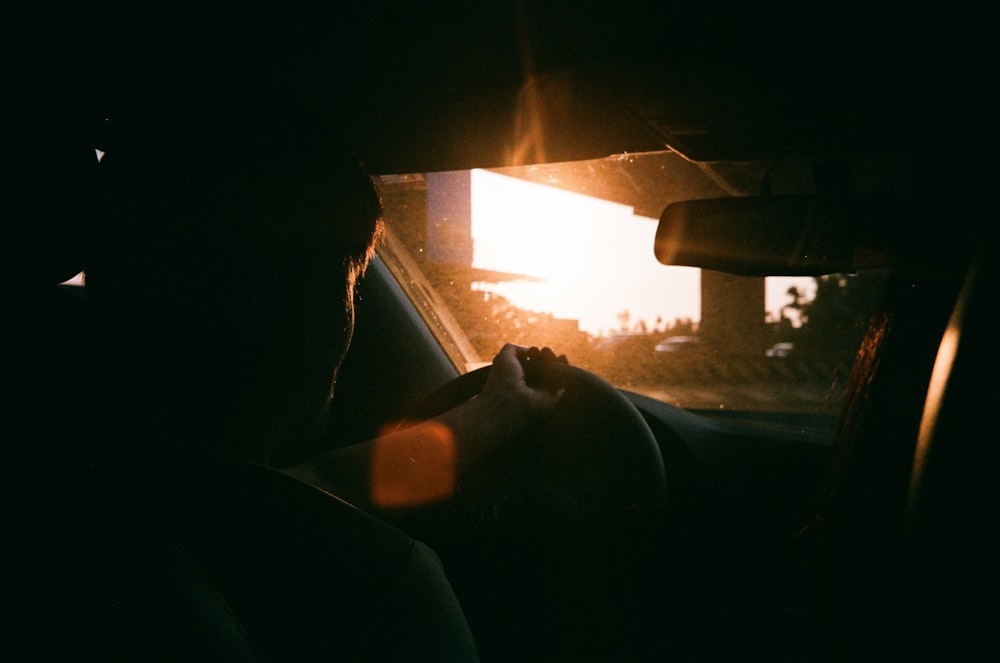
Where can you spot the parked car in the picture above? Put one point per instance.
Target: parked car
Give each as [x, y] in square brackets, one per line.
[780, 350]
[676, 343]
[551, 176]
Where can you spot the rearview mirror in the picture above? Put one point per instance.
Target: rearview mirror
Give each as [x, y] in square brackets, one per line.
[789, 235]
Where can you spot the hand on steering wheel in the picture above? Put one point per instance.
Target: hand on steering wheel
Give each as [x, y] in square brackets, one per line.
[516, 387]
[576, 435]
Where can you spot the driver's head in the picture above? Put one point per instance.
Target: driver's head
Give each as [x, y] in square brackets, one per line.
[225, 271]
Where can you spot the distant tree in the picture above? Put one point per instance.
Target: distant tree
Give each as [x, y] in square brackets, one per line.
[682, 327]
[623, 319]
[797, 304]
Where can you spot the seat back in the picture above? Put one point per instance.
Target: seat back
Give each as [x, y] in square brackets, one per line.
[953, 508]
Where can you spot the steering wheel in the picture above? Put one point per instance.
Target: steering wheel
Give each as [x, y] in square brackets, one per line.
[546, 530]
[593, 456]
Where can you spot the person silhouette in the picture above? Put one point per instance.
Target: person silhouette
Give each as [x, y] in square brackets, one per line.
[221, 283]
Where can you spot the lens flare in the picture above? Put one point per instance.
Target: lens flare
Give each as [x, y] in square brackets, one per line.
[413, 466]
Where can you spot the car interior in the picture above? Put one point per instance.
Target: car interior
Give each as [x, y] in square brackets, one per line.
[797, 466]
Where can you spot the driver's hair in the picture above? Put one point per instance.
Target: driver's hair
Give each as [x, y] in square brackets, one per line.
[223, 273]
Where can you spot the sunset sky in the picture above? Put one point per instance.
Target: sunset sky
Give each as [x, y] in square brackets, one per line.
[595, 257]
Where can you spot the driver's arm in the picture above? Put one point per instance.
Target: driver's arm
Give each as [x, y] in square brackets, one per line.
[421, 463]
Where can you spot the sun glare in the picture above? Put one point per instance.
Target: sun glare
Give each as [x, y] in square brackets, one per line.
[583, 255]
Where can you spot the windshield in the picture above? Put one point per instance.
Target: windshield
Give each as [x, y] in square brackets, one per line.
[562, 255]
